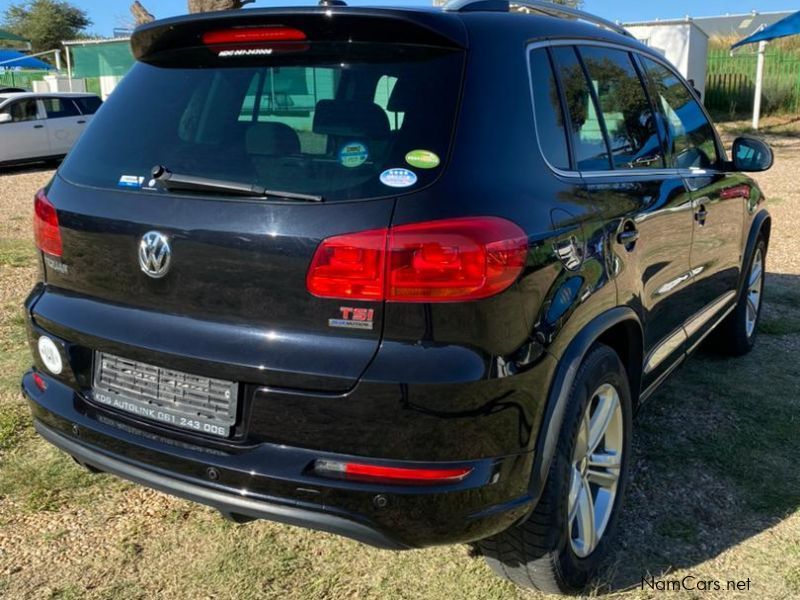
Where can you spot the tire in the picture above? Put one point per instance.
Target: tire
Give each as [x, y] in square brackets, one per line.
[541, 552]
[736, 335]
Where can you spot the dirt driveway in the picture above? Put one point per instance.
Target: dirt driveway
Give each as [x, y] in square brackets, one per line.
[715, 491]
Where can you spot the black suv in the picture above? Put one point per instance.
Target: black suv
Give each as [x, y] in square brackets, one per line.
[401, 275]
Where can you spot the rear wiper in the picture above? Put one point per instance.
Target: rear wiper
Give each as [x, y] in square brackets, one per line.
[175, 181]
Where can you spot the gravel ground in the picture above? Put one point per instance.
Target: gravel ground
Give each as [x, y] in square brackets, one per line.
[98, 537]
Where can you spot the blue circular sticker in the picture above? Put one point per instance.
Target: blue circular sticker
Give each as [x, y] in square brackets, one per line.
[353, 154]
[398, 178]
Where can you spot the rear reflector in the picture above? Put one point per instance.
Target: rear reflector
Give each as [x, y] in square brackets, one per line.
[381, 474]
[45, 225]
[436, 261]
[39, 381]
[248, 35]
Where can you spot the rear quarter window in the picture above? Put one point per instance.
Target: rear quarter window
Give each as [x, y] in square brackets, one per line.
[550, 126]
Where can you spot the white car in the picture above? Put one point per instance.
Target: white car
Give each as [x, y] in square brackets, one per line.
[37, 127]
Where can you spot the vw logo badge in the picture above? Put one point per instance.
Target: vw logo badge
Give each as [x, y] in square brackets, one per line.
[155, 254]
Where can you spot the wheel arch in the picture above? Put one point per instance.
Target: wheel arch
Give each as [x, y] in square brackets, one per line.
[761, 223]
[619, 328]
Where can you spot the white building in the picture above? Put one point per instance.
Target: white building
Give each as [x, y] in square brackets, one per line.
[682, 42]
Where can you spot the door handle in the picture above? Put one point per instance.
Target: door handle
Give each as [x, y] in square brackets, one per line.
[628, 237]
[701, 215]
[81, 122]
[38, 126]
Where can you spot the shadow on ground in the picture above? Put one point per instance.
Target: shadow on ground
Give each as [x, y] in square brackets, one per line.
[715, 452]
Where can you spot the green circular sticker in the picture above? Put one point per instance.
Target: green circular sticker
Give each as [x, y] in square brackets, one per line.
[422, 159]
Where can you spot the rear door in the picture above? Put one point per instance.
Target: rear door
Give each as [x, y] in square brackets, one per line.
[617, 139]
[26, 136]
[303, 121]
[65, 123]
[718, 199]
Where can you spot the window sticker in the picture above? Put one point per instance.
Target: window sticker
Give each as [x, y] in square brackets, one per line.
[422, 159]
[353, 154]
[398, 178]
[131, 181]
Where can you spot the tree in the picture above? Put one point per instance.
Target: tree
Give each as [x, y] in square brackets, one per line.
[570, 3]
[46, 23]
[196, 6]
[142, 16]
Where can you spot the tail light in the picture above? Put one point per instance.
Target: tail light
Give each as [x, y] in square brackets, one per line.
[249, 35]
[45, 225]
[436, 261]
[382, 474]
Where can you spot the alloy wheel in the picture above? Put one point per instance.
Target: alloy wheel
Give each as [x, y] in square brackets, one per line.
[595, 471]
[754, 288]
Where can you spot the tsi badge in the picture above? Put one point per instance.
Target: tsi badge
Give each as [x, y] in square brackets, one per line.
[354, 318]
[155, 254]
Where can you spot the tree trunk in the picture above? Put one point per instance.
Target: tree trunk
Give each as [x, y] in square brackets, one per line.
[140, 13]
[142, 16]
[196, 6]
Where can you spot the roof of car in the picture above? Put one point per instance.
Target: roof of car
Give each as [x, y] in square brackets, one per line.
[47, 95]
[7, 96]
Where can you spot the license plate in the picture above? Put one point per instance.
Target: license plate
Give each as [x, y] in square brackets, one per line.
[175, 398]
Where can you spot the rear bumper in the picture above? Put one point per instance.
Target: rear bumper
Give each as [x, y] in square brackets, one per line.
[225, 502]
[274, 482]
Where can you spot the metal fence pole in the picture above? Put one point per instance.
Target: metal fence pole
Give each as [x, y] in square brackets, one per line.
[762, 47]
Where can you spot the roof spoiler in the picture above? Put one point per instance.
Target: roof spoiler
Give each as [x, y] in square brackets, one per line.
[328, 23]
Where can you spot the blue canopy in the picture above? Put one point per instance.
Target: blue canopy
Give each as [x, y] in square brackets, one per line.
[785, 27]
[25, 63]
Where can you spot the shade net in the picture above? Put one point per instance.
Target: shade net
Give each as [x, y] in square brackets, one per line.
[101, 60]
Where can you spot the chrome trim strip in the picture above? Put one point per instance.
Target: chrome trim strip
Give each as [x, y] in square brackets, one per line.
[665, 349]
[690, 327]
[696, 322]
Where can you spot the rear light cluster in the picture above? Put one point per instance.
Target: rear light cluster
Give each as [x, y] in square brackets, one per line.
[436, 261]
[382, 474]
[45, 225]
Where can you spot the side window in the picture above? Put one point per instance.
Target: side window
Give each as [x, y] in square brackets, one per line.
[627, 114]
[57, 108]
[550, 126]
[383, 95]
[692, 139]
[23, 110]
[586, 133]
[88, 104]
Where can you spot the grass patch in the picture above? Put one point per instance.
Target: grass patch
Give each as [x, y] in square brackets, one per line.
[17, 253]
[784, 295]
[793, 580]
[779, 326]
[13, 421]
[749, 436]
[677, 528]
[14, 353]
[41, 478]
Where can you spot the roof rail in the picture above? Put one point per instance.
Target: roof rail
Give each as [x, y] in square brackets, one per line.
[527, 6]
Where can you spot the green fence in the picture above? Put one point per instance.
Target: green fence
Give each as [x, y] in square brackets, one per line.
[730, 85]
[21, 79]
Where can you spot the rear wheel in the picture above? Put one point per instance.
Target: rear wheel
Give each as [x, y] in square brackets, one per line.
[559, 548]
[736, 335]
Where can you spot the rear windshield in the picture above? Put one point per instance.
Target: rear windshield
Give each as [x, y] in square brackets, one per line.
[341, 121]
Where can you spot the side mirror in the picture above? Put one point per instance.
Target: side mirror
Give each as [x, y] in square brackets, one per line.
[6, 118]
[751, 155]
